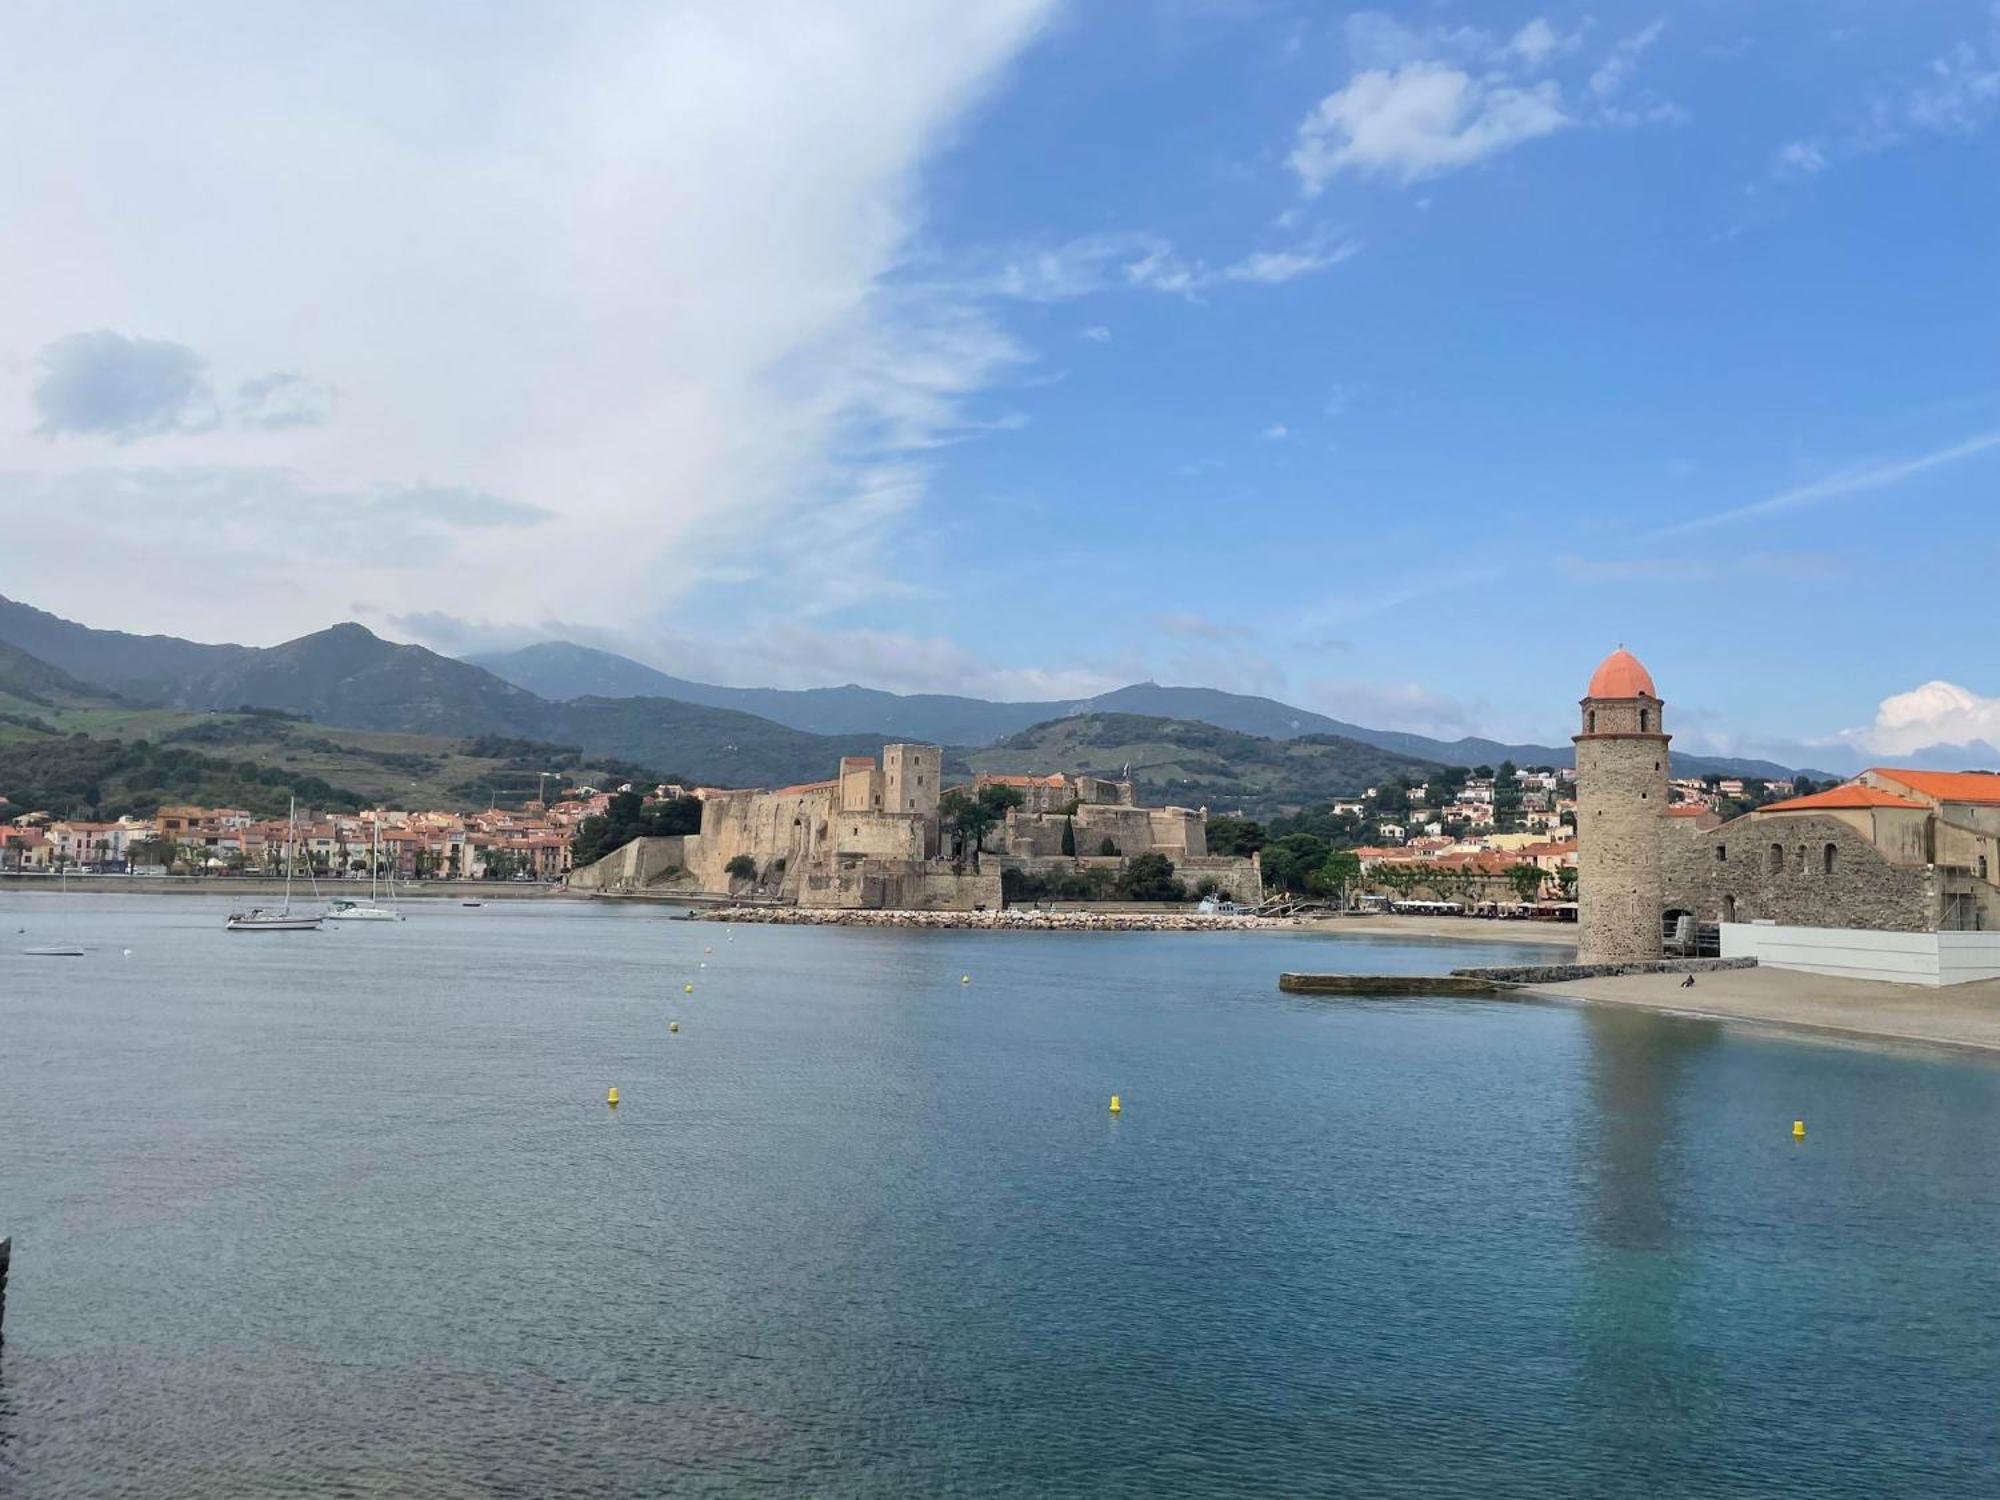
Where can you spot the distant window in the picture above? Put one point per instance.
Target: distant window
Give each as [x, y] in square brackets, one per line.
[1776, 861]
[1590, 722]
[1722, 854]
[1982, 862]
[1802, 859]
[1645, 720]
[1729, 908]
[1827, 855]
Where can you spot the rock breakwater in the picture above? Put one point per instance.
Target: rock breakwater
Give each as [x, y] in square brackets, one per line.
[1011, 920]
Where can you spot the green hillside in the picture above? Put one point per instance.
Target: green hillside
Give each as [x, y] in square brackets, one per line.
[1198, 765]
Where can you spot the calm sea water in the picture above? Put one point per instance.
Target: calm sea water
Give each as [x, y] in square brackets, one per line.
[345, 1213]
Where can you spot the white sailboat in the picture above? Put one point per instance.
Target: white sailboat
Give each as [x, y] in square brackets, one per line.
[278, 918]
[371, 910]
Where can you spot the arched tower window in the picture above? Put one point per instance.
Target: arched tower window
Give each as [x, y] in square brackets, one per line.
[1590, 722]
[1775, 861]
[1645, 720]
[1729, 908]
[1827, 857]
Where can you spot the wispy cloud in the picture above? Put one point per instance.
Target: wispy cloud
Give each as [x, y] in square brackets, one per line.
[1854, 481]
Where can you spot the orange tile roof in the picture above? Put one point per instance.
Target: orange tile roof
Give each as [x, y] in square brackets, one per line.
[1620, 675]
[1687, 810]
[1853, 795]
[1947, 786]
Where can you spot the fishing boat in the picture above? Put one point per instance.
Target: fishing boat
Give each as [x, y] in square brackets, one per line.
[278, 918]
[372, 909]
[52, 952]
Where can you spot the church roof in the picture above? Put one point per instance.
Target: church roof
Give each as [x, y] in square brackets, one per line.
[1946, 786]
[1854, 794]
[1620, 675]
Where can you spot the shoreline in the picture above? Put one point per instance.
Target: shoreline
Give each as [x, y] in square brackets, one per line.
[258, 885]
[1960, 1018]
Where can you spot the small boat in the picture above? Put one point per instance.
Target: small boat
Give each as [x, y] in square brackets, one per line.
[472, 903]
[52, 952]
[270, 919]
[370, 910]
[278, 918]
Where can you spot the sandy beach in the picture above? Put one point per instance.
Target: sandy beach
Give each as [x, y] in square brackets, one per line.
[1958, 1016]
[1463, 929]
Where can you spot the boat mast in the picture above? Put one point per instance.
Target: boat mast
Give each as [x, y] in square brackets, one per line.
[291, 848]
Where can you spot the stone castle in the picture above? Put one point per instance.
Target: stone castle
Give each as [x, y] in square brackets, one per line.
[872, 838]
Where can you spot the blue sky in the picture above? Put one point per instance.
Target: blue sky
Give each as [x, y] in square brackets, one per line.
[1395, 362]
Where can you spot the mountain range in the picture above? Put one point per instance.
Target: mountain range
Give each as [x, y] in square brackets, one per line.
[562, 669]
[1267, 754]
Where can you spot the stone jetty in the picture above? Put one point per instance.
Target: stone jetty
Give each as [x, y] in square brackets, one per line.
[1012, 920]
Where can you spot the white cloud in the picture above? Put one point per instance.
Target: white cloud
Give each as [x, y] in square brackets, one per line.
[1798, 159]
[1092, 264]
[1097, 333]
[1537, 42]
[1423, 119]
[1934, 714]
[636, 264]
[1277, 432]
[1271, 267]
[1615, 71]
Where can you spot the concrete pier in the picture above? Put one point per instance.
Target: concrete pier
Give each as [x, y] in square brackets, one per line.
[1370, 985]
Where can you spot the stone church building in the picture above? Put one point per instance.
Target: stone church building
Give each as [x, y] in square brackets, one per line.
[1894, 874]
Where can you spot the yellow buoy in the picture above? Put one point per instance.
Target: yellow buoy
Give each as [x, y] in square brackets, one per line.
[1116, 1107]
[611, 1097]
[673, 1026]
[687, 989]
[965, 979]
[1799, 1129]
[708, 950]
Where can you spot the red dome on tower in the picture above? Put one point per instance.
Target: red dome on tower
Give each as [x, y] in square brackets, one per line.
[1621, 675]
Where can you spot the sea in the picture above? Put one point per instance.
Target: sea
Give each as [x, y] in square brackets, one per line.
[346, 1213]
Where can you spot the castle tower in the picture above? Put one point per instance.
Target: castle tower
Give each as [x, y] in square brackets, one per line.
[910, 776]
[1621, 793]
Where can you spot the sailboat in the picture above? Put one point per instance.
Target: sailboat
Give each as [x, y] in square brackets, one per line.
[370, 910]
[278, 918]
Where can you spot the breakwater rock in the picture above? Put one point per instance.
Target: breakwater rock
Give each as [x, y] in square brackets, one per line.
[998, 921]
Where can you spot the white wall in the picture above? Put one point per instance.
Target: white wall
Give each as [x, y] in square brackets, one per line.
[1926, 958]
[1966, 956]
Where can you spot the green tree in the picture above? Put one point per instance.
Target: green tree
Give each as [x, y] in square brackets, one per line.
[1150, 877]
[1526, 880]
[740, 867]
[1236, 836]
[1069, 837]
[1566, 881]
[1340, 870]
[971, 818]
[1289, 862]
